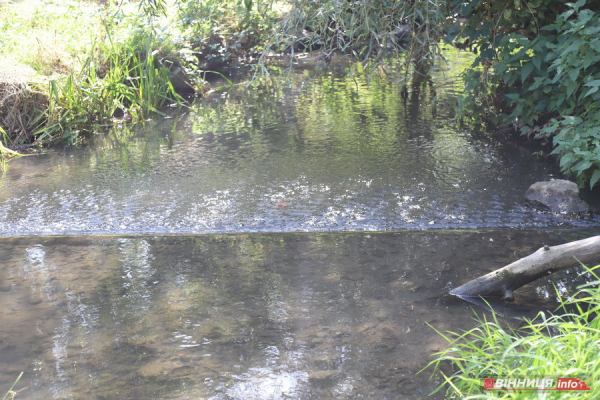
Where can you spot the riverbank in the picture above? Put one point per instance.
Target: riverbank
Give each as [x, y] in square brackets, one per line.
[77, 67]
[22, 104]
[73, 68]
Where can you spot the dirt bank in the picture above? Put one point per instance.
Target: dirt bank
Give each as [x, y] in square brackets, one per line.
[22, 104]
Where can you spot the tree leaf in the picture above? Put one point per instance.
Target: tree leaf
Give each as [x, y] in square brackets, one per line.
[501, 68]
[567, 159]
[595, 178]
[571, 47]
[572, 87]
[582, 165]
[590, 58]
[573, 74]
[526, 71]
[591, 91]
[538, 82]
[537, 62]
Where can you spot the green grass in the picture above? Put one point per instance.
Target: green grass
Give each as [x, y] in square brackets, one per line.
[133, 83]
[93, 61]
[49, 36]
[562, 345]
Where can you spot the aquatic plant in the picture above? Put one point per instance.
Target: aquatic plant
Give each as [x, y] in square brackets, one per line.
[11, 392]
[5, 153]
[561, 345]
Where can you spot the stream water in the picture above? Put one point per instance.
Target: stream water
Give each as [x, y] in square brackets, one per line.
[277, 242]
[331, 152]
[244, 316]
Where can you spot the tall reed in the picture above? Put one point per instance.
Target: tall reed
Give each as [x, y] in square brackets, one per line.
[11, 392]
[124, 77]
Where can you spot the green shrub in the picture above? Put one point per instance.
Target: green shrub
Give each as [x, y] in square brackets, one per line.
[541, 75]
[559, 72]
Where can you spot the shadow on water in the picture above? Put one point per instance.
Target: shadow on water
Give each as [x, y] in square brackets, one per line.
[261, 316]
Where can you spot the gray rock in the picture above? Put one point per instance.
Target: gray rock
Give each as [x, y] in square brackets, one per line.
[179, 79]
[560, 196]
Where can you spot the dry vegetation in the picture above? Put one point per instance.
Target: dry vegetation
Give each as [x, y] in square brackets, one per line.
[21, 104]
[40, 41]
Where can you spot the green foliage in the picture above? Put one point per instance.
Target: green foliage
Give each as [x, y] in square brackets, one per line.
[367, 29]
[558, 346]
[224, 32]
[48, 36]
[538, 67]
[153, 8]
[126, 77]
[118, 63]
[570, 93]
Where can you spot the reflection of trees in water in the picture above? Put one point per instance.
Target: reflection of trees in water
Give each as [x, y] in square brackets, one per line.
[221, 314]
[348, 112]
[317, 106]
[326, 111]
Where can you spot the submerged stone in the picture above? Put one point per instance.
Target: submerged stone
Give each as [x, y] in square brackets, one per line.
[560, 196]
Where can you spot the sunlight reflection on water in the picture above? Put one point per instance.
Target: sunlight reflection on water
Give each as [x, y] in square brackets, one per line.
[244, 316]
[341, 154]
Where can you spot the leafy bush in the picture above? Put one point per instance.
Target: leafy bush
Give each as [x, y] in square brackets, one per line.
[215, 34]
[543, 77]
[559, 73]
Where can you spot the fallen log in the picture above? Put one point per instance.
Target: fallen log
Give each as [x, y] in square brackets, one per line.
[545, 261]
